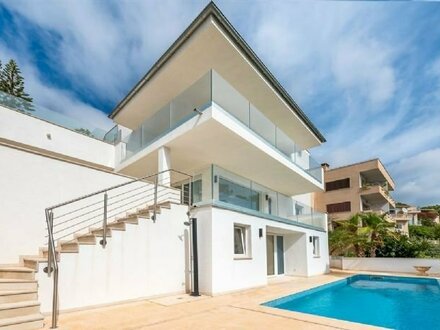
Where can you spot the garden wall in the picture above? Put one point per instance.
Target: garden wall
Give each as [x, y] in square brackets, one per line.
[398, 265]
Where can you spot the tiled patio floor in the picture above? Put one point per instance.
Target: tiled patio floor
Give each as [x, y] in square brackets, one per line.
[239, 310]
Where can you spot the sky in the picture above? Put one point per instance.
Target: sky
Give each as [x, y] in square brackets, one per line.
[366, 73]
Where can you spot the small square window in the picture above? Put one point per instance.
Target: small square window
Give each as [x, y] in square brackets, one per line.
[315, 241]
[241, 241]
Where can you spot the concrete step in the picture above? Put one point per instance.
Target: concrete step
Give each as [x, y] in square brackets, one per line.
[33, 261]
[166, 205]
[99, 232]
[44, 252]
[21, 308]
[151, 209]
[86, 239]
[69, 247]
[12, 285]
[131, 219]
[116, 226]
[27, 322]
[22, 273]
[143, 213]
[17, 295]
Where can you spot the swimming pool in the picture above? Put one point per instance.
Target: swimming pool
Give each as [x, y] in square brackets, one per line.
[384, 301]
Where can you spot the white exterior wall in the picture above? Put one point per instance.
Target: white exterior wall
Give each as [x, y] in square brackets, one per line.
[397, 265]
[21, 129]
[29, 184]
[219, 272]
[146, 260]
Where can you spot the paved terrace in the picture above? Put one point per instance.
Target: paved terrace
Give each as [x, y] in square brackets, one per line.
[240, 310]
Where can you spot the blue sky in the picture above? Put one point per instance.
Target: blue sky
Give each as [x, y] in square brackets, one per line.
[366, 73]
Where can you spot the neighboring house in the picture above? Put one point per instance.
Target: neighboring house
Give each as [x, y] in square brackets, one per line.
[404, 215]
[355, 188]
[430, 214]
[222, 136]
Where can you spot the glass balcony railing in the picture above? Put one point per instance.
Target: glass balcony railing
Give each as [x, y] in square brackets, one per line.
[212, 88]
[215, 185]
[50, 116]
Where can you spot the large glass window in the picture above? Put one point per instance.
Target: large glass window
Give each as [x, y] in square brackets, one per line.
[233, 193]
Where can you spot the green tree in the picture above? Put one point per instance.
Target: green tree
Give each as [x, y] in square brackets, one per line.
[423, 232]
[12, 83]
[376, 229]
[84, 131]
[403, 246]
[360, 236]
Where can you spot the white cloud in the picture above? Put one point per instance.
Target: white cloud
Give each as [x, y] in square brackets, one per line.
[338, 60]
[418, 177]
[56, 99]
[321, 42]
[364, 66]
[106, 46]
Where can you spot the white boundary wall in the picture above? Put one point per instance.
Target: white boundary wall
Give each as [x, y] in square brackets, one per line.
[398, 265]
[21, 129]
[29, 183]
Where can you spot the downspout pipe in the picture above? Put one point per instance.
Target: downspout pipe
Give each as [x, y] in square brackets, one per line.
[195, 261]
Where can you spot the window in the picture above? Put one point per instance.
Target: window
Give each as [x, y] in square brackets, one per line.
[339, 207]
[196, 191]
[338, 184]
[241, 241]
[315, 241]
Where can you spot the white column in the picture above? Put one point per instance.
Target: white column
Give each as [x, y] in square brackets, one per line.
[164, 164]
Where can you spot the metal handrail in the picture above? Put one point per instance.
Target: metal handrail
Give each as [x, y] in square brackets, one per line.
[117, 186]
[52, 262]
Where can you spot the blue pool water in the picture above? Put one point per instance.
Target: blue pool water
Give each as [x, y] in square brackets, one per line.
[384, 301]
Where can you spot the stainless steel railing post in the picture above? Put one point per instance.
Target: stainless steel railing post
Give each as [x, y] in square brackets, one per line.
[55, 299]
[52, 265]
[49, 223]
[156, 183]
[104, 222]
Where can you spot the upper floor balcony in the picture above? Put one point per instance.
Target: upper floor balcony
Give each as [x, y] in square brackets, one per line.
[209, 92]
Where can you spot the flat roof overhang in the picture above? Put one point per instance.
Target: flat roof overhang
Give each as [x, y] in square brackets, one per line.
[210, 46]
[216, 138]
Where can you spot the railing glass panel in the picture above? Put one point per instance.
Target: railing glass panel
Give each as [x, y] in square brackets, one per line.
[243, 194]
[229, 98]
[213, 88]
[261, 125]
[174, 113]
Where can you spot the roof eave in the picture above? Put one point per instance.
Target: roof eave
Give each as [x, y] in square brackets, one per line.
[212, 10]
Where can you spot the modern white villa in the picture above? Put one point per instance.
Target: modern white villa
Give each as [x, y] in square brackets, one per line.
[204, 185]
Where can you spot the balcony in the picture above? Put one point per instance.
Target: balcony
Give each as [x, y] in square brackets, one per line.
[216, 186]
[212, 90]
[377, 192]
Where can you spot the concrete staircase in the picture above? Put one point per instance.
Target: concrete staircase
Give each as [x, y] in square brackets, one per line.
[19, 306]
